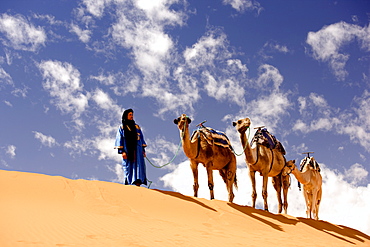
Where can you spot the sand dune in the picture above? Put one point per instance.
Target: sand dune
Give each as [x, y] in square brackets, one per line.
[41, 210]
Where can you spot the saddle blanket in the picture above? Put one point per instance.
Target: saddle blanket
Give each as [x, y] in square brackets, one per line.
[311, 162]
[212, 136]
[263, 137]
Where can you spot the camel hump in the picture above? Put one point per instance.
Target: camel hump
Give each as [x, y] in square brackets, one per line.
[265, 138]
[212, 136]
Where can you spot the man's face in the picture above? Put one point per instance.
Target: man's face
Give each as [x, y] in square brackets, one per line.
[130, 116]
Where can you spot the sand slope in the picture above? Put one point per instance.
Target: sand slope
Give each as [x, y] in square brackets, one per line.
[41, 210]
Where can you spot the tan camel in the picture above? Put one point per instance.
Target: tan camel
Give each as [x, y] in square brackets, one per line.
[268, 162]
[213, 157]
[311, 179]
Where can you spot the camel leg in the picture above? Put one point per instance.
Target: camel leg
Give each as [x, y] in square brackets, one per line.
[308, 198]
[194, 168]
[230, 178]
[314, 204]
[210, 180]
[286, 185]
[225, 173]
[276, 182]
[319, 194]
[252, 175]
[264, 192]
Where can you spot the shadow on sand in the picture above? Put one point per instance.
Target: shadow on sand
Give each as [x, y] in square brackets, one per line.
[257, 213]
[340, 232]
[186, 198]
[335, 230]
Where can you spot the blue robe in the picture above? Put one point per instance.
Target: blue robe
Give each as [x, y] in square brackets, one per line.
[133, 170]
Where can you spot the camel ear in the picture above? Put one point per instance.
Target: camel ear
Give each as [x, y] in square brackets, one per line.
[176, 121]
[294, 161]
[234, 123]
[189, 120]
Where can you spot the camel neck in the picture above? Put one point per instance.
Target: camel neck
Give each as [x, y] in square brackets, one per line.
[190, 149]
[302, 177]
[250, 156]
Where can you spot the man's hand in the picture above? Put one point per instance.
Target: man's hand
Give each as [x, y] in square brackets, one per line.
[124, 156]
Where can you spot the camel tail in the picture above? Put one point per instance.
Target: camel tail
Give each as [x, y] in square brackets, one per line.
[235, 182]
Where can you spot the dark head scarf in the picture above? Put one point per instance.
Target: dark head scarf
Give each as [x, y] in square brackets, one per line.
[129, 128]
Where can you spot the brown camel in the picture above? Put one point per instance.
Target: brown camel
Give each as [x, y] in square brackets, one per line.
[311, 179]
[268, 162]
[212, 156]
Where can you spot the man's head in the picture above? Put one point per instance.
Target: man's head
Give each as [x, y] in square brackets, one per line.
[128, 115]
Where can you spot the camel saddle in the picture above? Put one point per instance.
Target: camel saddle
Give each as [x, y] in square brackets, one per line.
[265, 138]
[311, 162]
[212, 136]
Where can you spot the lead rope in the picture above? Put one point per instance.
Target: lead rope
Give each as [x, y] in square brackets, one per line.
[177, 152]
[244, 148]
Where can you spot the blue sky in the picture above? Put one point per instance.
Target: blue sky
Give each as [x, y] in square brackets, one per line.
[69, 68]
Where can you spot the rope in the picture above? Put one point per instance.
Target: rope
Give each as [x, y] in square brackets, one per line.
[150, 183]
[178, 149]
[177, 152]
[249, 129]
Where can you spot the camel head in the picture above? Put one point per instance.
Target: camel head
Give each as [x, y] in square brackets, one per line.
[182, 121]
[242, 124]
[289, 167]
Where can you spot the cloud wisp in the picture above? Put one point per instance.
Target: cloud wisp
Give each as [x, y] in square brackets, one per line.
[327, 45]
[20, 34]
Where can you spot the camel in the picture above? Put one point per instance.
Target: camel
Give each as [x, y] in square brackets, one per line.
[268, 162]
[311, 179]
[213, 157]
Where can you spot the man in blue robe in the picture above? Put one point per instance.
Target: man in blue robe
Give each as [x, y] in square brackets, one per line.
[131, 145]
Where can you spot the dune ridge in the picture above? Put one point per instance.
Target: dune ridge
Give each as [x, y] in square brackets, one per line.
[42, 210]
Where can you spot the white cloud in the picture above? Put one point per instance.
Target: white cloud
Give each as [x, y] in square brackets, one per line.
[96, 7]
[158, 151]
[317, 114]
[272, 47]
[45, 140]
[327, 44]
[208, 49]
[8, 103]
[20, 34]
[117, 169]
[150, 46]
[106, 148]
[225, 89]
[268, 110]
[10, 150]
[356, 174]
[49, 18]
[160, 12]
[62, 81]
[357, 124]
[141, 28]
[243, 5]
[104, 101]
[79, 146]
[5, 78]
[267, 74]
[83, 35]
[318, 100]
[345, 197]
[105, 79]
[21, 92]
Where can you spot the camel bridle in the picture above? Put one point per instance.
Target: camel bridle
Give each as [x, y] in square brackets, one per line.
[291, 169]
